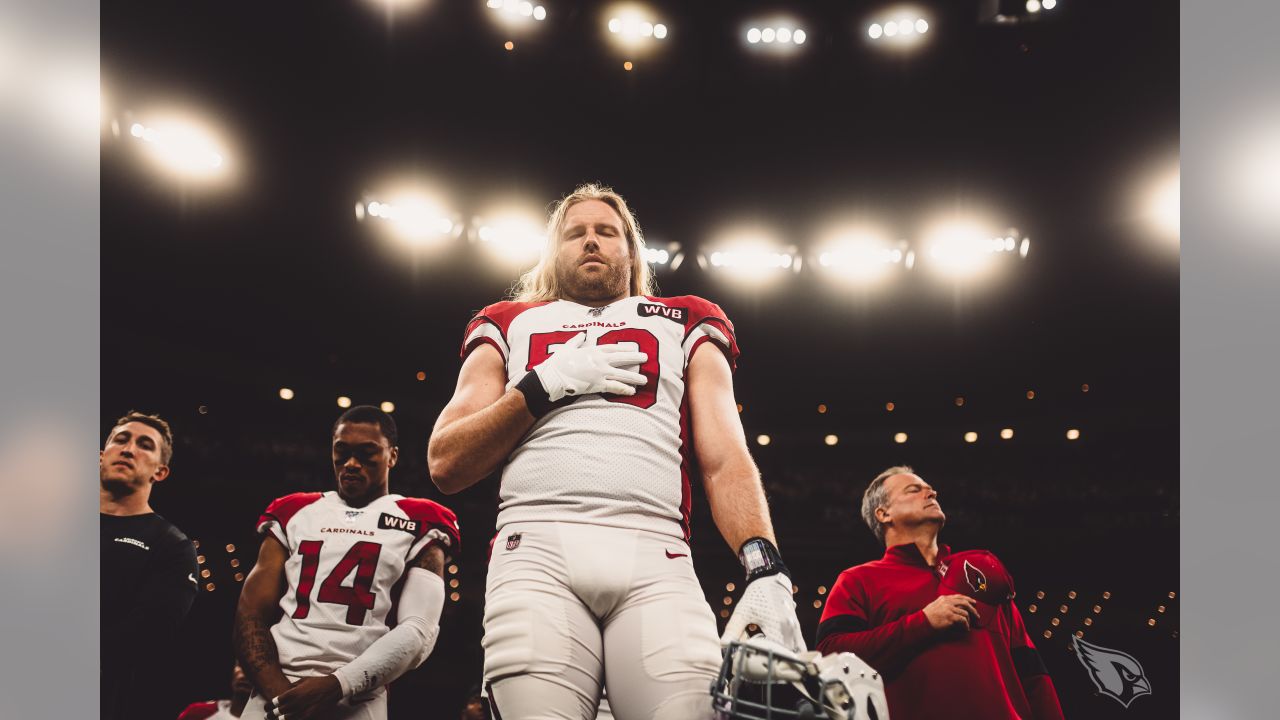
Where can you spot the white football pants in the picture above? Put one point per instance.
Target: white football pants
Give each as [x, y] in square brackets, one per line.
[572, 606]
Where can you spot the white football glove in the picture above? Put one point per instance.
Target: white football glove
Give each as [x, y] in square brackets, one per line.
[767, 604]
[576, 369]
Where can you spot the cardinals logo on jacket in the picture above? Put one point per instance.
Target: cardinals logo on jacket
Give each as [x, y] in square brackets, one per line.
[1115, 674]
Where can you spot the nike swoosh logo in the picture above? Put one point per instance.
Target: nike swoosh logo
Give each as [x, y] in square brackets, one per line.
[673, 556]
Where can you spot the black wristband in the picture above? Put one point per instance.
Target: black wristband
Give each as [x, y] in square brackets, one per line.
[535, 396]
[760, 558]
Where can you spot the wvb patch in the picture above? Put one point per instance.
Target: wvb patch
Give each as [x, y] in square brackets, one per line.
[387, 521]
[1116, 674]
[674, 314]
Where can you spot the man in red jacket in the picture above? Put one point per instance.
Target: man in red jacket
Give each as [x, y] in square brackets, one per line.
[954, 655]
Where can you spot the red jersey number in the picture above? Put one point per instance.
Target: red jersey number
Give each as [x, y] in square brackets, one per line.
[358, 597]
[646, 395]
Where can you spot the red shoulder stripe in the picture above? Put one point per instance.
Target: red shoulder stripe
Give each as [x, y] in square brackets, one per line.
[283, 509]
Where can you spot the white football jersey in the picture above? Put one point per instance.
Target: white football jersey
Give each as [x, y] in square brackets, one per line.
[614, 460]
[343, 563]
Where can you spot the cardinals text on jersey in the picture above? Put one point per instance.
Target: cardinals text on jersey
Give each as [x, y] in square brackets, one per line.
[612, 460]
[343, 563]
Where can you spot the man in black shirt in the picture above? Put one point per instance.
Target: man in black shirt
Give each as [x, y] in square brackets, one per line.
[148, 565]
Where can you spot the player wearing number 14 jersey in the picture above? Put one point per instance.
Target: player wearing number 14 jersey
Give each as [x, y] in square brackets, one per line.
[599, 402]
[327, 568]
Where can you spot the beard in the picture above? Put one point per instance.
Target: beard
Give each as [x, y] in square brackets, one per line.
[593, 286]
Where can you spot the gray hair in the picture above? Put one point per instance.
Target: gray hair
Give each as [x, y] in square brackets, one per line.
[877, 497]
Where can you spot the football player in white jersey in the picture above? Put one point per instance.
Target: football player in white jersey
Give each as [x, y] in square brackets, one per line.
[600, 402]
[327, 569]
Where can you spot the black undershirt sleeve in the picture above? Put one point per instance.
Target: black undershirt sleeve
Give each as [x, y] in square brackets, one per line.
[840, 624]
[1027, 661]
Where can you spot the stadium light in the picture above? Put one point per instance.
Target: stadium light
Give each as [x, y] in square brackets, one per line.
[663, 255]
[514, 235]
[776, 35]
[902, 28]
[634, 27]
[1164, 206]
[412, 214]
[859, 254]
[182, 146]
[517, 11]
[751, 256]
[968, 248]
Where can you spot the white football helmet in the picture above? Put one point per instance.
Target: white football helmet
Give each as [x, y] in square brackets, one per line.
[762, 680]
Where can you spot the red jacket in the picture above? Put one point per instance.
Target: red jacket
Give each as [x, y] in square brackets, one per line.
[875, 611]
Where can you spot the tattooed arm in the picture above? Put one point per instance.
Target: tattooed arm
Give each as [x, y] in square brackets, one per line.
[257, 611]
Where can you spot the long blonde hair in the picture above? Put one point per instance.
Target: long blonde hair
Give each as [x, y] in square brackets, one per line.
[540, 283]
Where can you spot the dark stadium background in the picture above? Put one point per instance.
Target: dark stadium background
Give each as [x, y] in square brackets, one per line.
[214, 301]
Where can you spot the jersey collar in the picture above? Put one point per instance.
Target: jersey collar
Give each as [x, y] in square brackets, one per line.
[909, 554]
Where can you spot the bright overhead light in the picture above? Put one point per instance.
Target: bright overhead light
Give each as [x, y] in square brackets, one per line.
[344, 401]
[1033, 6]
[763, 439]
[663, 255]
[1073, 434]
[388, 406]
[1049, 4]
[971, 437]
[286, 393]
[516, 11]
[752, 257]
[780, 34]
[1006, 434]
[900, 438]
[182, 146]
[902, 31]
[831, 439]
[414, 215]
[515, 236]
[635, 27]
[656, 256]
[1164, 206]
[962, 248]
[859, 255]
